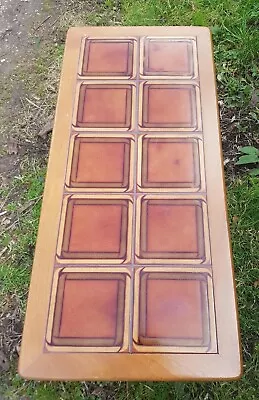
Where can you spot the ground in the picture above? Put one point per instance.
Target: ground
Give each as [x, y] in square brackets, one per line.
[32, 36]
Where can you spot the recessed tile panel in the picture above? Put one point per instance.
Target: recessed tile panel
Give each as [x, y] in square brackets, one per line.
[107, 57]
[104, 106]
[173, 312]
[168, 106]
[170, 229]
[102, 162]
[169, 163]
[170, 57]
[85, 301]
[95, 229]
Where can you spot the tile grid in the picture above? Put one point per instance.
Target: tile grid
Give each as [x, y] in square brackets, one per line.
[136, 132]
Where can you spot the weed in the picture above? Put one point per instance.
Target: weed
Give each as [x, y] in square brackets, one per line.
[251, 156]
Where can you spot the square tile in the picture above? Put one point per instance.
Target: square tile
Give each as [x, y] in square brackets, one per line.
[169, 163]
[104, 106]
[171, 57]
[96, 229]
[173, 311]
[102, 162]
[107, 57]
[170, 229]
[89, 309]
[168, 106]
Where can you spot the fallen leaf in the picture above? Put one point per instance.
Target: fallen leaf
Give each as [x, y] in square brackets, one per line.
[193, 6]
[6, 221]
[256, 284]
[226, 161]
[18, 349]
[4, 364]
[47, 128]
[255, 98]
[99, 392]
[235, 219]
[12, 146]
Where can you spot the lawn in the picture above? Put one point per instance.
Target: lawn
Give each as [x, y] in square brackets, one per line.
[234, 25]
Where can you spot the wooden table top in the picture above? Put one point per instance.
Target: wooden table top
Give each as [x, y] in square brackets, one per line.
[132, 276]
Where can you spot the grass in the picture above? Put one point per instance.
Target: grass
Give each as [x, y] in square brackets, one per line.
[236, 45]
[23, 200]
[234, 24]
[243, 200]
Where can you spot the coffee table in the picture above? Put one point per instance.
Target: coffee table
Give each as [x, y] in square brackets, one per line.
[132, 276]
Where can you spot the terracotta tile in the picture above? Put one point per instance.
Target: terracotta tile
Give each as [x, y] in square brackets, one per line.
[168, 106]
[100, 163]
[89, 309]
[171, 229]
[95, 228]
[108, 57]
[168, 57]
[170, 163]
[173, 309]
[104, 106]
